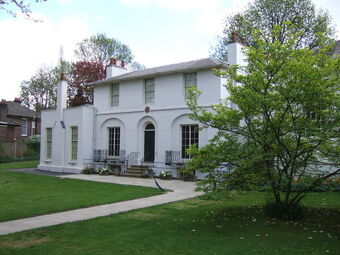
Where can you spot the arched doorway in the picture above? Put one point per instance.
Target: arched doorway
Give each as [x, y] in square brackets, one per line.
[149, 143]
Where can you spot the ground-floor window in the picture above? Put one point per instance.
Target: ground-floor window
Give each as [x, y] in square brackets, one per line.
[114, 141]
[74, 143]
[189, 137]
[48, 143]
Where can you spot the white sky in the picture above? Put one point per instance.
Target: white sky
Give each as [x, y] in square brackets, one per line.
[158, 32]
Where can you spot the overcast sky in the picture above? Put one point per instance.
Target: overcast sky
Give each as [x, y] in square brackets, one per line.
[158, 32]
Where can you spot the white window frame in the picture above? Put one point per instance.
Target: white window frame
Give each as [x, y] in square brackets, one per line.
[49, 143]
[24, 127]
[74, 143]
[149, 91]
[187, 141]
[190, 80]
[114, 95]
[114, 134]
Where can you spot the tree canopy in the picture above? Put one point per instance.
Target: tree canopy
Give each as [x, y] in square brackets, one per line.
[23, 6]
[284, 132]
[100, 48]
[293, 16]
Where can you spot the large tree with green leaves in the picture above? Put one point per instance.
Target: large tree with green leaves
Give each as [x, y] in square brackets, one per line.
[266, 14]
[284, 133]
[100, 48]
[40, 91]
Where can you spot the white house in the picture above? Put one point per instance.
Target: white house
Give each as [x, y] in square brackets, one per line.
[139, 116]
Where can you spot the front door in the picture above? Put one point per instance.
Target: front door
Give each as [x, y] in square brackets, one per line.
[149, 143]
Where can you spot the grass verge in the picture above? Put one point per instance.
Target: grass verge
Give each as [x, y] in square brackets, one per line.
[25, 195]
[235, 225]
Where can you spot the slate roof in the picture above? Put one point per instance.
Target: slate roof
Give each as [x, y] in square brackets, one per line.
[16, 109]
[9, 122]
[194, 65]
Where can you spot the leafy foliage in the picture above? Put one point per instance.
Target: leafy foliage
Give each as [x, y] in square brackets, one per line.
[285, 128]
[293, 16]
[40, 91]
[81, 74]
[99, 49]
[10, 6]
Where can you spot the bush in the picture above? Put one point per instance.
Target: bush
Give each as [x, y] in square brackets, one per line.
[33, 143]
[89, 170]
[165, 175]
[285, 211]
[10, 159]
[104, 171]
[2, 151]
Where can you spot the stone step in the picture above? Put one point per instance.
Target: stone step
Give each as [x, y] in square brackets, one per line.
[127, 174]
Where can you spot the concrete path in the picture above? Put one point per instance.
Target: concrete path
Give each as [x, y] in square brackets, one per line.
[181, 190]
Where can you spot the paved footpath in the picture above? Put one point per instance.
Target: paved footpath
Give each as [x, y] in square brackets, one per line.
[180, 191]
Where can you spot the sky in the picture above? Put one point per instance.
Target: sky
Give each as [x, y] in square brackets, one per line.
[159, 32]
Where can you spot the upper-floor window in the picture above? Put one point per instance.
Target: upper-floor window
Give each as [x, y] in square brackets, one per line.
[190, 80]
[149, 88]
[115, 94]
[74, 143]
[189, 137]
[24, 127]
[48, 143]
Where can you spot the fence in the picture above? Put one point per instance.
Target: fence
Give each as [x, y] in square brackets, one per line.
[14, 149]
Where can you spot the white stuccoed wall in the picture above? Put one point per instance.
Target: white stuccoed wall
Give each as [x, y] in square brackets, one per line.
[167, 113]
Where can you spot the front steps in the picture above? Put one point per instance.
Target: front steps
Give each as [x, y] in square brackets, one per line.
[134, 171]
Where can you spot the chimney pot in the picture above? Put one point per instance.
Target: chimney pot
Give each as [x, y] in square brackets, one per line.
[113, 61]
[122, 64]
[17, 100]
[3, 101]
[234, 37]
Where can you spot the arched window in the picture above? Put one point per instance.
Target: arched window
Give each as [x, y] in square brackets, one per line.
[150, 127]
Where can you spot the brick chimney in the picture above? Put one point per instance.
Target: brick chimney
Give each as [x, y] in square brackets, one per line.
[113, 69]
[3, 110]
[17, 100]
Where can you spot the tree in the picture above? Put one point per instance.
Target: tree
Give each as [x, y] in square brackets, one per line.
[284, 132]
[40, 91]
[99, 49]
[81, 74]
[10, 6]
[266, 14]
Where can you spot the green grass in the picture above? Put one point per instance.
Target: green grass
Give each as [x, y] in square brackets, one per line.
[234, 226]
[24, 195]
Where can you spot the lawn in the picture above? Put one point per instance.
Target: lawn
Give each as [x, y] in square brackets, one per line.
[234, 226]
[24, 195]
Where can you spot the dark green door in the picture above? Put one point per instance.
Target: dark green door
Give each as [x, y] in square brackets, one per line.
[149, 143]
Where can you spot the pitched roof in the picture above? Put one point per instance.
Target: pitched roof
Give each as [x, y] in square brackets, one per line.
[200, 64]
[9, 122]
[16, 109]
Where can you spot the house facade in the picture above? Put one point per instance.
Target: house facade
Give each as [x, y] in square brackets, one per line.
[137, 117]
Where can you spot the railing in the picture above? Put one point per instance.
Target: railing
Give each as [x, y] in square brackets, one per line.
[174, 158]
[131, 159]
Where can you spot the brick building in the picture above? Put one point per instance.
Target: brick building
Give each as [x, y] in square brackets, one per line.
[17, 122]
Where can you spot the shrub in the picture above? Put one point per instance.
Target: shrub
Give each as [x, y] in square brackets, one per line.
[33, 143]
[104, 171]
[285, 211]
[89, 170]
[165, 175]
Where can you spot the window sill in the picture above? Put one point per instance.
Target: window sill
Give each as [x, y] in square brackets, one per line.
[72, 163]
[47, 161]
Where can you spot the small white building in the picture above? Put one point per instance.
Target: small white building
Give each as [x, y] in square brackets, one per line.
[139, 116]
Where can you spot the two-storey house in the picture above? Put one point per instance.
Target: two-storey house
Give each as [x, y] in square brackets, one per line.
[139, 116]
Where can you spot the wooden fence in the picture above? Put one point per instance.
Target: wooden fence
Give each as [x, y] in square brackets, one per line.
[17, 149]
